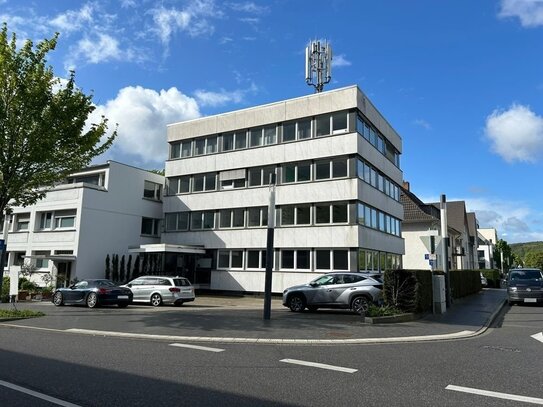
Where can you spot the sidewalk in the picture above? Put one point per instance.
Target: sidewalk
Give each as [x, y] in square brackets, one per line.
[239, 319]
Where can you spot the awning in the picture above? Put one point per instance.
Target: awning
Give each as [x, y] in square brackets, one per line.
[166, 248]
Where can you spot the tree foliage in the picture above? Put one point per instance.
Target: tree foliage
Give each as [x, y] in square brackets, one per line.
[508, 259]
[534, 259]
[43, 135]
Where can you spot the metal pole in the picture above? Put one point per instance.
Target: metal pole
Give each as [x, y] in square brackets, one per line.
[3, 253]
[444, 247]
[269, 250]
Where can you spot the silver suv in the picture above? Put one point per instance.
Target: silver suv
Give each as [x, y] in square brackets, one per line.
[158, 290]
[355, 291]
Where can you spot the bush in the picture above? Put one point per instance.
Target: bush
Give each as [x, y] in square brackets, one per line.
[382, 311]
[464, 282]
[28, 285]
[4, 295]
[493, 277]
[400, 289]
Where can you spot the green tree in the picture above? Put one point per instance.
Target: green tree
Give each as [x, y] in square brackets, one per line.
[534, 259]
[43, 135]
[108, 268]
[115, 272]
[508, 258]
[122, 270]
[128, 267]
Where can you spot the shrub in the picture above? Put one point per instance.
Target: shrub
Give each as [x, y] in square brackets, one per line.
[400, 289]
[28, 286]
[382, 311]
[493, 277]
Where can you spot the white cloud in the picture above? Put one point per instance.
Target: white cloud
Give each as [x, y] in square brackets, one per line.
[73, 20]
[248, 7]
[100, 48]
[339, 61]
[142, 115]
[529, 12]
[222, 97]
[516, 134]
[422, 123]
[192, 20]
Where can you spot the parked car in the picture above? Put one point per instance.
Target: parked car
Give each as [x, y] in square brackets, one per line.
[484, 281]
[158, 290]
[93, 293]
[355, 291]
[525, 285]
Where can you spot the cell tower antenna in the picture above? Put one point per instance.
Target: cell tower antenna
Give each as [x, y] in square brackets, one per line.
[318, 64]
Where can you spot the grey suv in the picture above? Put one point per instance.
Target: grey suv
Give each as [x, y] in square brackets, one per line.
[158, 290]
[353, 291]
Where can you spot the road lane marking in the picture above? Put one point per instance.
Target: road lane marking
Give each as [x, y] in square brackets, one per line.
[36, 394]
[495, 394]
[184, 345]
[538, 337]
[319, 365]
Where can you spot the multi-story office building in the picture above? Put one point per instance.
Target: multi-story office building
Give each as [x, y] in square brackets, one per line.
[98, 211]
[337, 165]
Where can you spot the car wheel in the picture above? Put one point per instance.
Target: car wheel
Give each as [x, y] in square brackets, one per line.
[296, 303]
[57, 299]
[360, 304]
[312, 308]
[156, 300]
[122, 304]
[178, 303]
[92, 300]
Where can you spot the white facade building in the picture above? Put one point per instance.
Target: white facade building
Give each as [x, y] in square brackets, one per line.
[487, 239]
[98, 211]
[336, 161]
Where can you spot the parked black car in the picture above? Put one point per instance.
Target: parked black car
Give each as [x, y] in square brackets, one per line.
[93, 293]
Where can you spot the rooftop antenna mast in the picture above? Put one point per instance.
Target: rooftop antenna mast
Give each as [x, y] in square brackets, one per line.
[318, 64]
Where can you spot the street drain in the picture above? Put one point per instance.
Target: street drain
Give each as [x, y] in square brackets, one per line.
[500, 348]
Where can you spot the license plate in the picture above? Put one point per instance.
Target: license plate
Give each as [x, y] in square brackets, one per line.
[122, 297]
[530, 300]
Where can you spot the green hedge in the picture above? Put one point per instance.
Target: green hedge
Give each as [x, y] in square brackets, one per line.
[411, 290]
[493, 277]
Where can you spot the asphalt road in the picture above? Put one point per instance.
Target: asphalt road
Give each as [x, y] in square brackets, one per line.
[108, 371]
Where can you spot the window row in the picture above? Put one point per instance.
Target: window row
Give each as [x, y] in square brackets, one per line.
[375, 219]
[376, 139]
[152, 190]
[300, 129]
[323, 213]
[63, 219]
[258, 176]
[289, 259]
[373, 260]
[369, 174]
[150, 226]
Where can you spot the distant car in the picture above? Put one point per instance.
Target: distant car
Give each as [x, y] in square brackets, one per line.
[525, 285]
[484, 281]
[158, 290]
[93, 293]
[355, 291]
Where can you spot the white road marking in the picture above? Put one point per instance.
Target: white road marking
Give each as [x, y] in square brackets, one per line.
[495, 394]
[184, 345]
[319, 365]
[538, 337]
[37, 394]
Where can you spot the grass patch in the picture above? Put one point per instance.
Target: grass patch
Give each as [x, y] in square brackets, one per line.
[24, 313]
[382, 311]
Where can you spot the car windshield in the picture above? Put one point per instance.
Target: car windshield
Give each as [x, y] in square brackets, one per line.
[525, 275]
[324, 280]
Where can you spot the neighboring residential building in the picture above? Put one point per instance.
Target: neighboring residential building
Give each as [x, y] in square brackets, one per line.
[421, 230]
[487, 239]
[97, 211]
[337, 164]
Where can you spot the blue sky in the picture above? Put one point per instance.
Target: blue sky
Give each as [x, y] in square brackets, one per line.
[460, 80]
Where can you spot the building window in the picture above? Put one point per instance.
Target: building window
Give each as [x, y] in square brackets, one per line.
[270, 135]
[177, 221]
[256, 259]
[296, 172]
[257, 217]
[202, 220]
[230, 259]
[46, 220]
[64, 219]
[255, 137]
[232, 218]
[339, 167]
[331, 213]
[204, 182]
[240, 139]
[339, 122]
[295, 259]
[186, 148]
[152, 190]
[40, 262]
[150, 226]
[331, 259]
[322, 259]
[341, 259]
[94, 179]
[295, 215]
[22, 222]
[322, 125]
[175, 150]
[199, 146]
[260, 176]
[228, 142]
[18, 258]
[376, 219]
[298, 130]
[211, 145]
[179, 185]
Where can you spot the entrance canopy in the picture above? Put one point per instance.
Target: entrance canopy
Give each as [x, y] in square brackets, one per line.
[54, 257]
[167, 248]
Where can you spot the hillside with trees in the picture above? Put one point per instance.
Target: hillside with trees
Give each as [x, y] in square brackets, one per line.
[531, 253]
